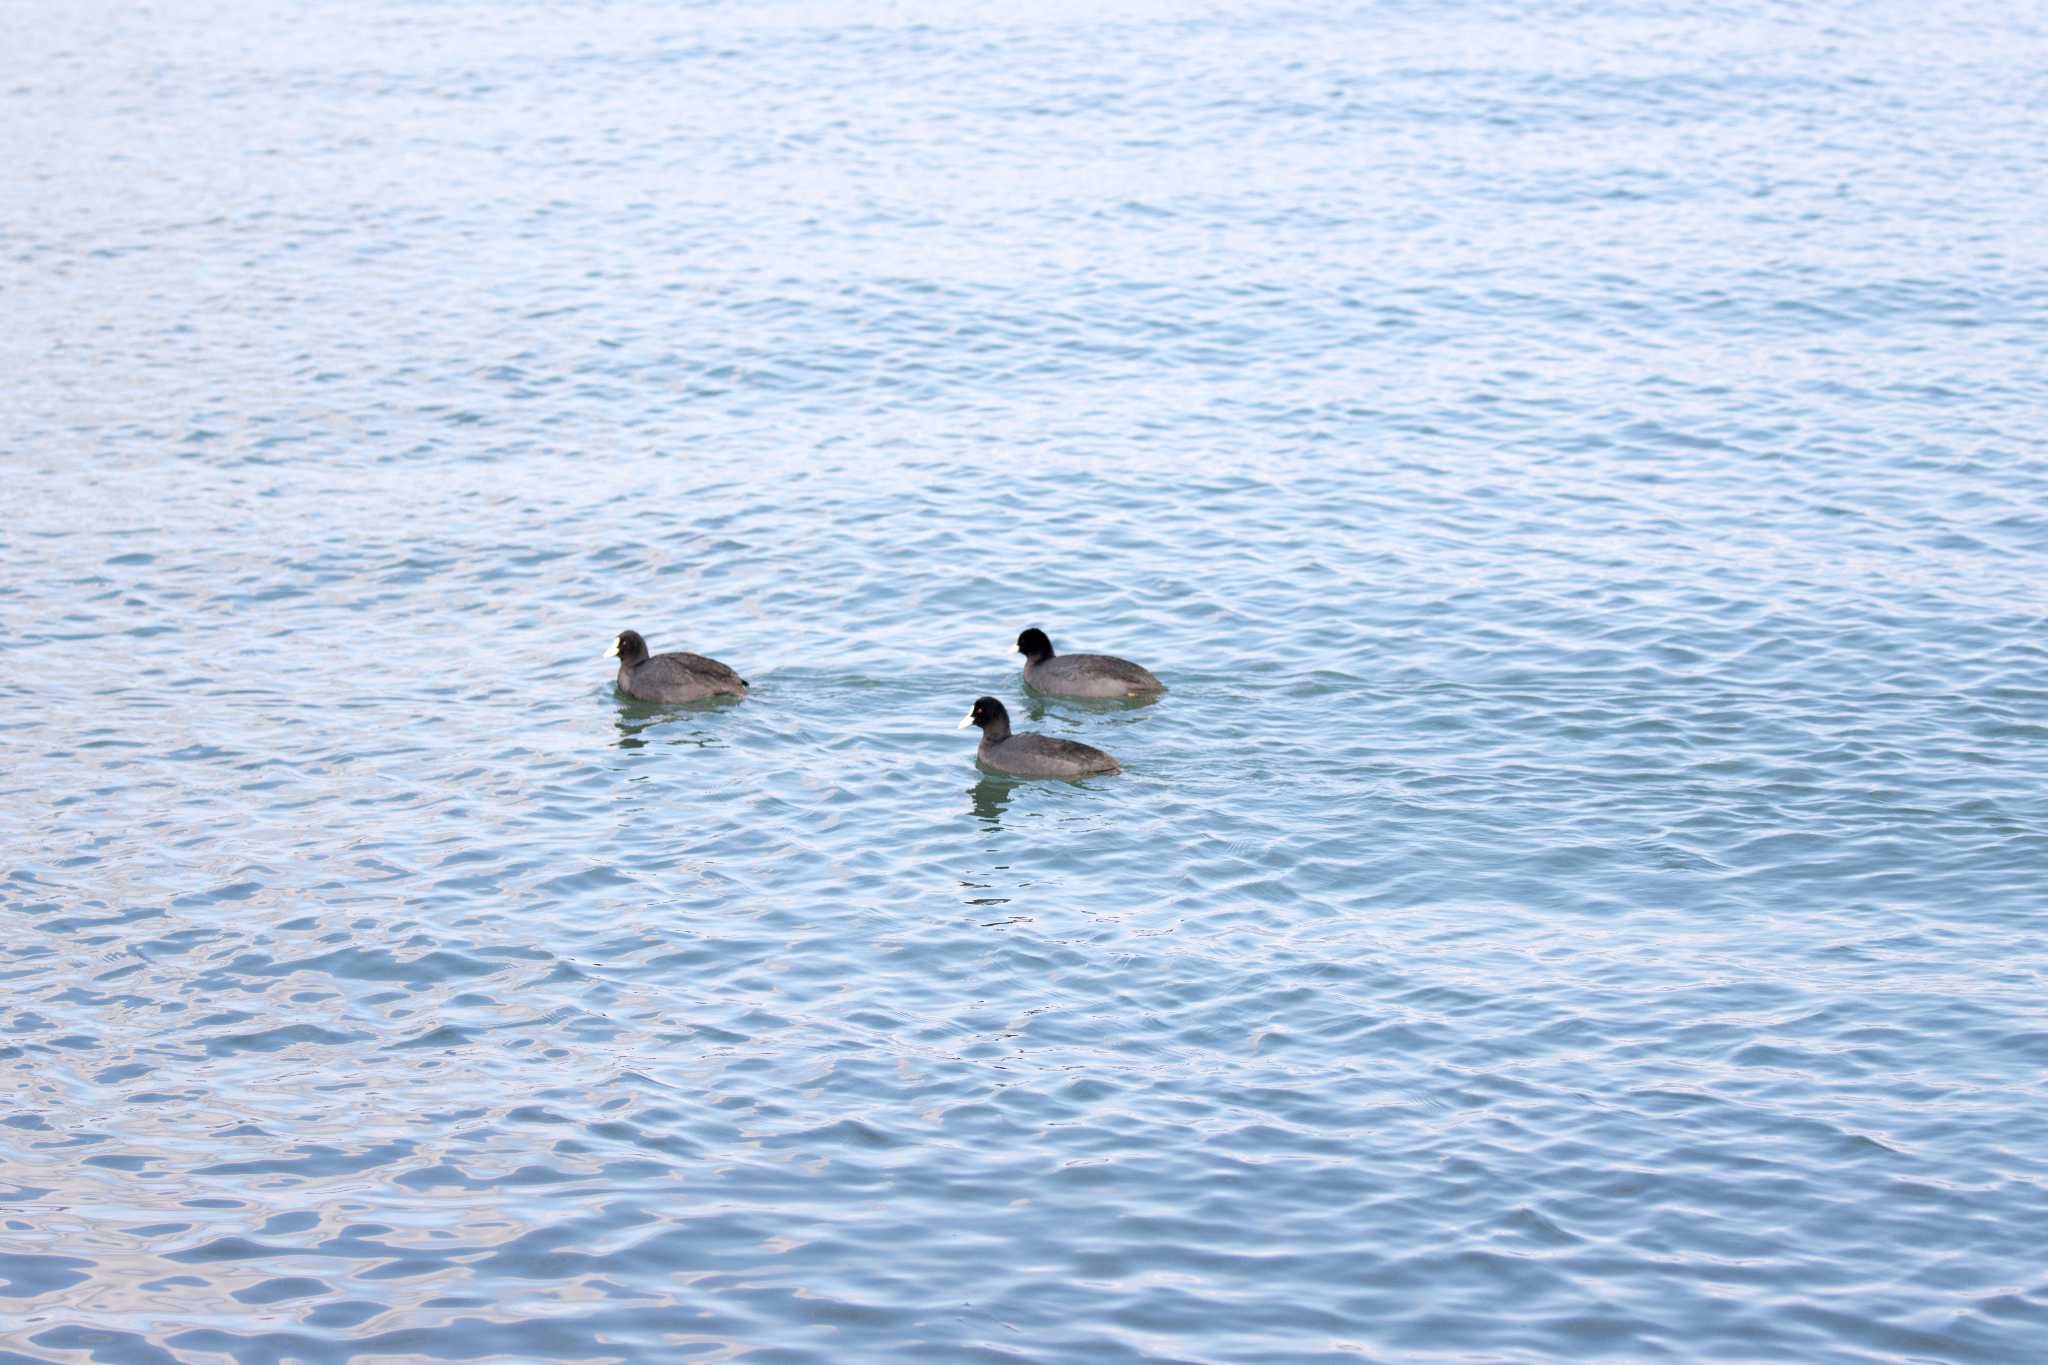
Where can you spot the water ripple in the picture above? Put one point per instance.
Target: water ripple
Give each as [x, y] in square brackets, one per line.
[1577, 474]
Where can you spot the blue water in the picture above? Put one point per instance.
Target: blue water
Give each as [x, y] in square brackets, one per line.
[1578, 468]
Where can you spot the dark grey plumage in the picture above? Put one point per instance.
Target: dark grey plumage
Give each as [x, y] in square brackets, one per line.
[671, 677]
[1081, 675]
[1031, 755]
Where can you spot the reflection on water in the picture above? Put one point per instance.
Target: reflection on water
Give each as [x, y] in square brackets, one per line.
[630, 731]
[637, 718]
[991, 796]
[974, 898]
[1040, 705]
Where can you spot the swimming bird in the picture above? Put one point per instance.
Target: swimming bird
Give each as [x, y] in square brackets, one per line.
[670, 677]
[1031, 755]
[1081, 675]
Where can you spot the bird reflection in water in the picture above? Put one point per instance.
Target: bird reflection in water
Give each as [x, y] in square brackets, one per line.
[636, 719]
[985, 901]
[1039, 705]
[991, 796]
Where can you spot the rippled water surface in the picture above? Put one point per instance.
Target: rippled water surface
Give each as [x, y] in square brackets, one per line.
[1578, 468]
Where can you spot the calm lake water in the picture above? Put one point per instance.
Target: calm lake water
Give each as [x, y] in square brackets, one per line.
[1578, 468]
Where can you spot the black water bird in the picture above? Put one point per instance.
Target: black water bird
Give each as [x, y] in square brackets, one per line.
[1081, 675]
[670, 677]
[1031, 755]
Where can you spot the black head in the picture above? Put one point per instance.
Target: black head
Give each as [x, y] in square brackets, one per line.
[988, 713]
[628, 649]
[1033, 645]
